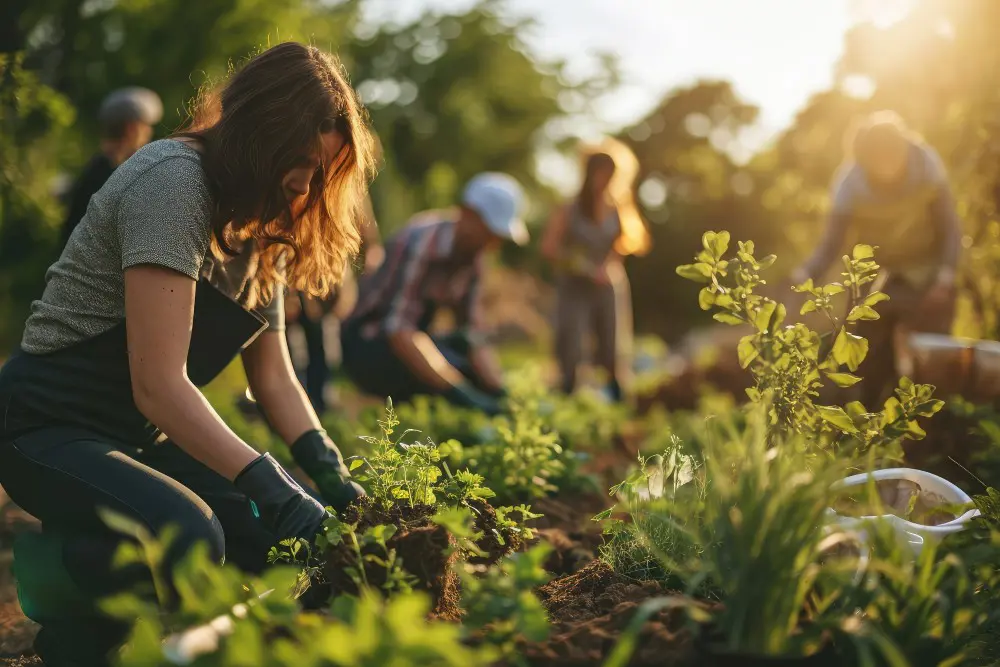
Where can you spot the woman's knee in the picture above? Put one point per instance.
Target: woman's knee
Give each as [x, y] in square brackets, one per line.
[194, 527]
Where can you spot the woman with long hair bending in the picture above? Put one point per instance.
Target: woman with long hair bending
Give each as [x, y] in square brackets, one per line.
[587, 239]
[179, 265]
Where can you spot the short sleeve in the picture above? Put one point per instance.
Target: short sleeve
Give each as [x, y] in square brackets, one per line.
[407, 306]
[274, 311]
[164, 217]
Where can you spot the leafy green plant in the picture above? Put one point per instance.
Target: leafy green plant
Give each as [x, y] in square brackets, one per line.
[788, 363]
[501, 604]
[634, 547]
[746, 527]
[523, 458]
[928, 610]
[370, 632]
[394, 470]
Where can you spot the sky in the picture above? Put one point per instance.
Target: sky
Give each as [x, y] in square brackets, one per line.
[777, 52]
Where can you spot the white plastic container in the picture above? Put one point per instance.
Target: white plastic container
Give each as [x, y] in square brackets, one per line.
[915, 535]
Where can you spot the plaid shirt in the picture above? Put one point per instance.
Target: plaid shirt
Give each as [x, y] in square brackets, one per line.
[417, 278]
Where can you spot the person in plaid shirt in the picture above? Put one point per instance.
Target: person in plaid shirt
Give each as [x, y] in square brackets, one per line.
[435, 262]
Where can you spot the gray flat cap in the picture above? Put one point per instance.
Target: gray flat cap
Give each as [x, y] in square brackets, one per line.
[131, 104]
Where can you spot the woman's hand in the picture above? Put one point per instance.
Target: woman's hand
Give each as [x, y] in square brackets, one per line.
[287, 408]
[279, 502]
[555, 231]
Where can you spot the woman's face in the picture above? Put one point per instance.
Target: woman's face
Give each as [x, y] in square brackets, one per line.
[601, 178]
[296, 182]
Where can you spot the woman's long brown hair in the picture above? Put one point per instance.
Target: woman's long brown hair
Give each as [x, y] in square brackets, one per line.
[634, 238]
[270, 115]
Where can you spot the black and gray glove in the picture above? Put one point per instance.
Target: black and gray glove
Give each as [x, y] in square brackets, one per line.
[280, 503]
[466, 395]
[319, 458]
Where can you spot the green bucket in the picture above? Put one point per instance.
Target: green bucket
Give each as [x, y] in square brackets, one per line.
[44, 586]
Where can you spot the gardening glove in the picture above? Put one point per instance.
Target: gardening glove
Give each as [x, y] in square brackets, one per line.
[316, 454]
[280, 503]
[466, 395]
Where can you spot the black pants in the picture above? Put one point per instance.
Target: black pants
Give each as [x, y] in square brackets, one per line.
[373, 366]
[63, 476]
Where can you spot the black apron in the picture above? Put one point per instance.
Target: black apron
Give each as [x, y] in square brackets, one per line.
[88, 384]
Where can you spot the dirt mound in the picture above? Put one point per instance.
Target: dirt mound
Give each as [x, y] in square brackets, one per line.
[567, 525]
[589, 611]
[495, 542]
[426, 550]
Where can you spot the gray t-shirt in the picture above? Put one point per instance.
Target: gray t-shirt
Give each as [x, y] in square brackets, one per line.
[155, 209]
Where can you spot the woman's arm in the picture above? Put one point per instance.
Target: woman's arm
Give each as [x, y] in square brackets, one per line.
[289, 413]
[555, 230]
[276, 389]
[159, 307]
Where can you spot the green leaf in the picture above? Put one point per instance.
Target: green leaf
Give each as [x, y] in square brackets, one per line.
[913, 428]
[716, 243]
[747, 350]
[849, 349]
[862, 251]
[727, 318]
[766, 262]
[843, 379]
[862, 313]
[723, 300]
[835, 415]
[602, 516]
[856, 410]
[808, 307]
[355, 464]
[891, 411]
[928, 408]
[832, 289]
[779, 317]
[698, 272]
[807, 286]
[874, 298]
[706, 298]
[763, 317]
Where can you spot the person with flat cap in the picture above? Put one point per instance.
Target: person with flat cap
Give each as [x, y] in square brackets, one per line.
[436, 262]
[126, 119]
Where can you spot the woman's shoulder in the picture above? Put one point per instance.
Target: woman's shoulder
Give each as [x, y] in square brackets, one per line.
[165, 166]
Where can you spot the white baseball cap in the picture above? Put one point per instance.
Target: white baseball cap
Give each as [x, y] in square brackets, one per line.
[498, 199]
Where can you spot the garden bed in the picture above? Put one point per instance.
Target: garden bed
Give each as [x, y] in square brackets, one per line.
[589, 611]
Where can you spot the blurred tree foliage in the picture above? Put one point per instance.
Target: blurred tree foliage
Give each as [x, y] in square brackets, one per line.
[937, 67]
[452, 94]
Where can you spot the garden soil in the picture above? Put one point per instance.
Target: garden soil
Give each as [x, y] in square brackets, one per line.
[589, 611]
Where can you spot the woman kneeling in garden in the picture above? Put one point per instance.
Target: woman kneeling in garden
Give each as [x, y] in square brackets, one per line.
[178, 265]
